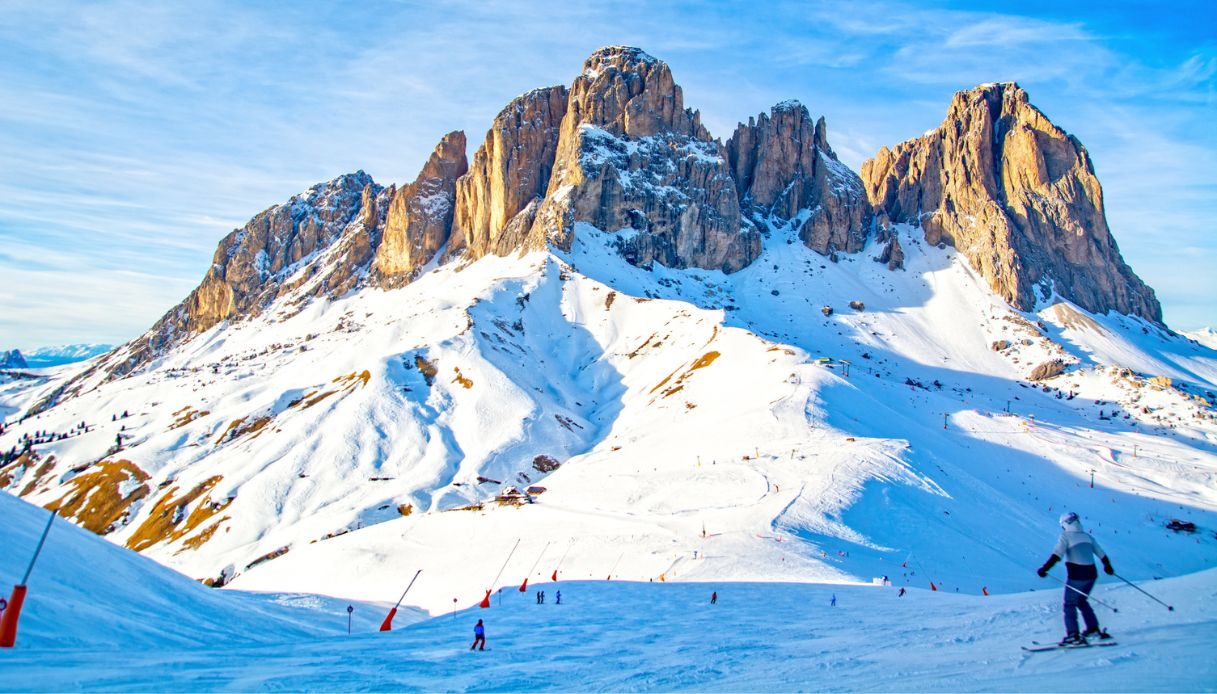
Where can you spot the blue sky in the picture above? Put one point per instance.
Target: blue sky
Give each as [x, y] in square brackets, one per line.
[133, 136]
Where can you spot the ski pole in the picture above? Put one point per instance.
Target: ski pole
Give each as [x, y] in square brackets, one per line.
[1134, 585]
[1091, 598]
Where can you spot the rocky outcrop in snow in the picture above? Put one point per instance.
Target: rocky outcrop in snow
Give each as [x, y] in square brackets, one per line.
[631, 156]
[255, 264]
[784, 169]
[1016, 195]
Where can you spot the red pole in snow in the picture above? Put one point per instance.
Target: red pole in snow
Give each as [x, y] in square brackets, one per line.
[8, 626]
[524, 585]
[387, 625]
[486, 600]
[568, 548]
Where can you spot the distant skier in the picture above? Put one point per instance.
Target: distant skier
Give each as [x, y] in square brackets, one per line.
[558, 601]
[714, 598]
[542, 597]
[1078, 549]
[901, 593]
[479, 637]
[538, 597]
[833, 602]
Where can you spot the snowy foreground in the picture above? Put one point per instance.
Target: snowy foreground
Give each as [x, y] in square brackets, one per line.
[100, 617]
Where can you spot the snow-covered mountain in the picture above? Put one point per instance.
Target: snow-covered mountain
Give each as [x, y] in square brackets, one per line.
[614, 345]
[44, 357]
[1205, 336]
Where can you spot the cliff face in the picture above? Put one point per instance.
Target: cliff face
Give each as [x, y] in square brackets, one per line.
[420, 216]
[784, 169]
[509, 175]
[631, 156]
[1018, 196]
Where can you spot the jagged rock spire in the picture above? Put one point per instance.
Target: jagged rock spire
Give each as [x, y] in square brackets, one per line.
[782, 165]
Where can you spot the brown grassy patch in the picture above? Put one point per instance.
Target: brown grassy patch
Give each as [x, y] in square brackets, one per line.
[185, 416]
[231, 425]
[405, 509]
[168, 520]
[608, 300]
[202, 538]
[39, 475]
[465, 382]
[705, 360]
[702, 362]
[642, 346]
[240, 427]
[94, 499]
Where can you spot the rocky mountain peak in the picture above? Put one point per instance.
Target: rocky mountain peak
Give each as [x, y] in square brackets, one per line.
[627, 92]
[784, 169]
[12, 359]
[630, 156]
[1017, 196]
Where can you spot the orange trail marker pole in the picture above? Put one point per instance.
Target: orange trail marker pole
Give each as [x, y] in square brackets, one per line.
[8, 626]
[486, 600]
[568, 548]
[524, 585]
[387, 625]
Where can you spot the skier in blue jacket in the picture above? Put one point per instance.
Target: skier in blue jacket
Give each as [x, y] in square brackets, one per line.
[479, 637]
[1078, 549]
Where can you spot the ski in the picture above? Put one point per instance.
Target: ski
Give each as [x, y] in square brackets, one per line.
[1037, 647]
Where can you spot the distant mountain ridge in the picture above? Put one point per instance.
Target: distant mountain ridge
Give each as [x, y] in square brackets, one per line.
[58, 355]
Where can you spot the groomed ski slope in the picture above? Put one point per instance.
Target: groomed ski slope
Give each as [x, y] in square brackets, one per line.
[103, 618]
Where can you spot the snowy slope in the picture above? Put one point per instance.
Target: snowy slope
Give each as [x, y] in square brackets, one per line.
[618, 636]
[285, 449]
[86, 594]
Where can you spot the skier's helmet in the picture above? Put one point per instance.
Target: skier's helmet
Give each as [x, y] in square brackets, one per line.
[1068, 519]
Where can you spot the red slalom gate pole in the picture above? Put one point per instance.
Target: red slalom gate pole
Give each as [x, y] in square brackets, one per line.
[8, 626]
[387, 625]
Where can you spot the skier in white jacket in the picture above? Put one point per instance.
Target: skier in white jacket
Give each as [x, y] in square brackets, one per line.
[1078, 549]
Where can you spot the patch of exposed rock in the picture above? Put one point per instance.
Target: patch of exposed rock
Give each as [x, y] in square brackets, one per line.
[1017, 196]
[784, 169]
[631, 157]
